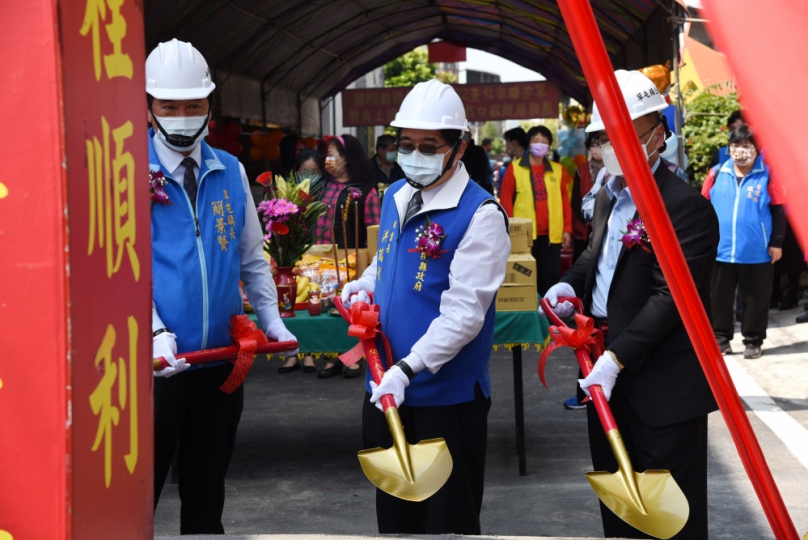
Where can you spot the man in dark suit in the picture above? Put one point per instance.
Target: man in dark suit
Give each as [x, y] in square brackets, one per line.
[383, 162]
[650, 373]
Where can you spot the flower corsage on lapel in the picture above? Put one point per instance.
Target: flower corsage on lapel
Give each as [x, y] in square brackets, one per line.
[428, 239]
[157, 184]
[636, 235]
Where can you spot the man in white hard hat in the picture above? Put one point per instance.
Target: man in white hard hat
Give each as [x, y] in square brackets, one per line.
[205, 237]
[650, 373]
[437, 301]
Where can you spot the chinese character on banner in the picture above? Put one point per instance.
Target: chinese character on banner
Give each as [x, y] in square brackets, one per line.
[112, 197]
[117, 64]
[109, 410]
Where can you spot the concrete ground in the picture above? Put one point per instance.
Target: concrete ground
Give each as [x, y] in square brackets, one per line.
[295, 472]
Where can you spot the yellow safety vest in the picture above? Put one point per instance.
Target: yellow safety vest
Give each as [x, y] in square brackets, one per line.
[524, 205]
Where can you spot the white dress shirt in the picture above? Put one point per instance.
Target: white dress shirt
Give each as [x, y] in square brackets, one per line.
[255, 271]
[622, 212]
[475, 274]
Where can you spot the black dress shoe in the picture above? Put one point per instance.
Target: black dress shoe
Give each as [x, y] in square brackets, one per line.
[288, 369]
[353, 373]
[803, 318]
[787, 304]
[327, 373]
[309, 369]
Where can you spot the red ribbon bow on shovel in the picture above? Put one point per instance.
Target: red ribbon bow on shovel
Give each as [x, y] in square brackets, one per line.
[248, 337]
[365, 325]
[586, 336]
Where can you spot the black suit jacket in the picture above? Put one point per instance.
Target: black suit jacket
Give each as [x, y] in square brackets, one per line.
[662, 380]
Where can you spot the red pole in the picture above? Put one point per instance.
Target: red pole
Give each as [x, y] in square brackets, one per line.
[599, 74]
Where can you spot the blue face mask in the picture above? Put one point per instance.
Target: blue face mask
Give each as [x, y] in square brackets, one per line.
[391, 156]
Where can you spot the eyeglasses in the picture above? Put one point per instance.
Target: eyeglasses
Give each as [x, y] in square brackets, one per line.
[427, 149]
[600, 143]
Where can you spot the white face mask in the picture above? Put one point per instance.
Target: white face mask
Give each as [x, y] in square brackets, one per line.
[422, 171]
[182, 129]
[610, 157]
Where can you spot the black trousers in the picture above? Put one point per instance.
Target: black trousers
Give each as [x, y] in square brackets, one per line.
[754, 283]
[680, 448]
[548, 263]
[190, 410]
[455, 508]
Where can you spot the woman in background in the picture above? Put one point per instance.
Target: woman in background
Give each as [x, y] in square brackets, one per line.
[349, 188]
[308, 164]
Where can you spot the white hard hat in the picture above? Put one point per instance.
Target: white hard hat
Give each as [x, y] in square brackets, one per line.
[176, 70]
[432, 105]
[641, 95]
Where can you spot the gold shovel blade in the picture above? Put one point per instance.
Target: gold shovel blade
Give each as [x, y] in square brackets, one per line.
[431, 466]
[663, 510]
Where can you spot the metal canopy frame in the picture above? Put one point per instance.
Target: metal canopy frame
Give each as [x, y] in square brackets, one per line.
[316, 48]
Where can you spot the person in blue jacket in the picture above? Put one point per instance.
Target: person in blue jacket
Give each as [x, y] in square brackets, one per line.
[752, 228]
[734, 121]
[437, 307]
[205, 237]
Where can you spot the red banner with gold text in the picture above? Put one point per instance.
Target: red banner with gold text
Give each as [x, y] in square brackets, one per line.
[483, 102]
[110, 267]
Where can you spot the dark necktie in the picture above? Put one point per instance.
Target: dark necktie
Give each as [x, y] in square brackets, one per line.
[189, 183]
[416, 202]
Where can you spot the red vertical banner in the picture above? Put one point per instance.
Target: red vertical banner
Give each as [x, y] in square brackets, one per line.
[103, 54]
[34, 416]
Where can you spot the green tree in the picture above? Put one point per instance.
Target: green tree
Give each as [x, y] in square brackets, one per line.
[705, 128]
[412, 68]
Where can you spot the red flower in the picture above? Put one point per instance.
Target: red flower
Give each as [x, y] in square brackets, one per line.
[265, 179]
[279, 228]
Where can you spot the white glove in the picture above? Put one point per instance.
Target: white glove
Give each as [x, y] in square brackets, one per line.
[361, 296]
[565, 309]
[355, 291]
[394, 382]
[604, 373]
[277, 331]
[165, 345]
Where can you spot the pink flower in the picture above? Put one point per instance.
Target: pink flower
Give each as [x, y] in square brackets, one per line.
[157, 182]
[636, 235]
[277, 208]
[428, 239]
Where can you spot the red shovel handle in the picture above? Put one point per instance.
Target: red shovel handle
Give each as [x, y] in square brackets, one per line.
[585, 362]
[225, 353]
[372, 354]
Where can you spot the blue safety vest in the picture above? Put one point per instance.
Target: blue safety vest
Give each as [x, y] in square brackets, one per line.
[195, 256]
[408, 290]
[744, 216]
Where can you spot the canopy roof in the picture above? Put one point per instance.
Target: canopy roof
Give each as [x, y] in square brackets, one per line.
[317, 47]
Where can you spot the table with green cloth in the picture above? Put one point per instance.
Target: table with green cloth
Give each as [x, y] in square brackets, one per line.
[326, 335]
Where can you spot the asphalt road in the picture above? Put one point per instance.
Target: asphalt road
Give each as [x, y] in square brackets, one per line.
[295, 469]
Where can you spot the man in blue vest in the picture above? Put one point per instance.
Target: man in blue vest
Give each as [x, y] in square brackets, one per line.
[437, 303]
[205, 237]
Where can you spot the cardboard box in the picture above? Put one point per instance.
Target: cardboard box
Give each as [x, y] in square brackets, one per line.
[521, 244]
[373, 239]
[521, 270]
[517, 298]
[521, 226]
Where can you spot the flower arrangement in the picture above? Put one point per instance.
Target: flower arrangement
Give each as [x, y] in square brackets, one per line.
[636, 235]
[157, 183]
[289, 213]
[429, 238]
